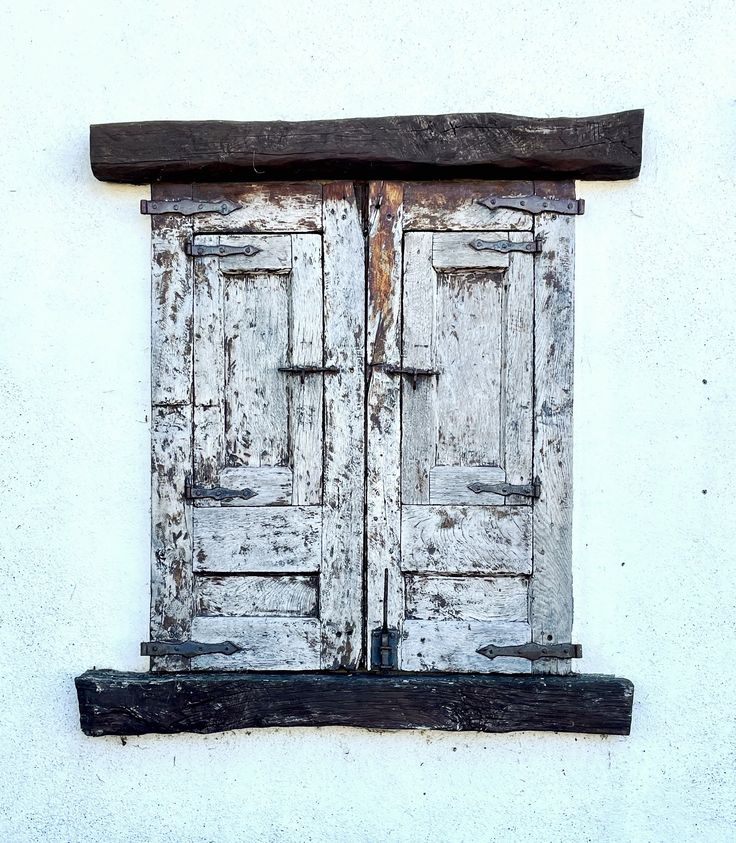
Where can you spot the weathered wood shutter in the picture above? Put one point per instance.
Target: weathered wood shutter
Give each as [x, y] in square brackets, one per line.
[461, 402]
[258, 429]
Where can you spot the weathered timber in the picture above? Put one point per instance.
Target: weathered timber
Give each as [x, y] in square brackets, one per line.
[475, 145]
[116, 703]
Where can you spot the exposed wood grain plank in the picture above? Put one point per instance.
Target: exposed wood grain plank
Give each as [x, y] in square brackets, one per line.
[452, 645]
[242, 540]
[449, 484]
[256, 344]
[171, 533]
[234, 596]
[419, 146]
[551, 589]
[306, 348]
[115, 703]
[463, 539]
[272, 485]
[383, 502]
[341, 582]
[418, 402]
[273, 256]
[266, 643]
[466, 598]
[455, 206]
[452, 251]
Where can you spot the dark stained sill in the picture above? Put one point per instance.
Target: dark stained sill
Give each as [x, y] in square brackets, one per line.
[116, 703]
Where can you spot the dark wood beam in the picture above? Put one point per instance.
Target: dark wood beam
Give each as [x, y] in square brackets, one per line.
[418, 147]
[115, 703]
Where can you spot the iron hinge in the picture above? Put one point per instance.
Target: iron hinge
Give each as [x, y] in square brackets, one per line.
[217, 493]
[526, 490]
[198, 250]
[302, 371]
[385, 639]
[529, 246]
[187, 207]
[533, 651]
[188, 649]
[535, 204]
[407, 371]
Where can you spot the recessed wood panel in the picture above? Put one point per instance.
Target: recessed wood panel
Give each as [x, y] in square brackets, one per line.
[239, 596]
[466, 598]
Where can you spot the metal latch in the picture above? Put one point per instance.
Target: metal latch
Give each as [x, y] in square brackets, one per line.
[200, 250]
[385, 639]
[186, 648]
[535, 204]
[187, 207]
[309, 370]
[533, 651]
[527, 490]
[506, 245]
[217, 493]
[409, 371]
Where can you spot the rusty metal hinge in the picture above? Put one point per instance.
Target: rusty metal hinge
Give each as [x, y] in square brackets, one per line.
[200, 250]
[535, 204]
[309, 370]
[188, 649]
[533, 651]
[527, 490]
[187, 207]
[408, 371]
[217, 493]
[385, 639]
[532, 246]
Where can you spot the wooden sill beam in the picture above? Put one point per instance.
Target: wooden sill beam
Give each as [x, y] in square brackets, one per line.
[116, 703]
[444, 146]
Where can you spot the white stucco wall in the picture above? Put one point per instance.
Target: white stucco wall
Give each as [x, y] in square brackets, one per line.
[653, 557]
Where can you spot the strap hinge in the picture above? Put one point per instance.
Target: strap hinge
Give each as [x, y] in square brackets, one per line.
[188, 649]
[535, 204]
[533, 651]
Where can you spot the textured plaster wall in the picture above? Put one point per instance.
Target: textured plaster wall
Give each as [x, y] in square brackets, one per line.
[655, 414]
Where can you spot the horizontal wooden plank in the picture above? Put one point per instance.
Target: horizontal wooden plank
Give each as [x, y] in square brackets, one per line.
[451, 646]
[241, 540]
[455, 206]
[452, 250]
[266, 643]
[466, 539]
[271, 483]
[253, 595]
[466, 598]
[266, 208]
[273, 252]
[116, 703]
[476, 145]
[449, 484]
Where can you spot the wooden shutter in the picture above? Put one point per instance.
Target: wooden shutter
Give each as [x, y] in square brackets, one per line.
[456, 397]
[276, 570]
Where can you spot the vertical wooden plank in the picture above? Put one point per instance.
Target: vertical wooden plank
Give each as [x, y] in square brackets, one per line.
[418, 400]
[341, 578]
[551, 586]
[305, 348]
[171, 537]
[383, 405]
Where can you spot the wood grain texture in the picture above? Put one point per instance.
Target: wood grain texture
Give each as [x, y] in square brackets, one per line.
[383, 415]
[452, 251]
[466, 539]
[466, 598]
[272, 484]
[341, 582]
[249, 540]
[238, 596]
[273, 256]
[438, 146]
[455, 206]
[551, 589]
[451, 646]
[449, 484]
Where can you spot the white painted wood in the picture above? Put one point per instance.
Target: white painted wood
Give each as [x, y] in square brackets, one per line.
[266, 208]
[383, 478]
[452, 645]
[272, 485]
[273, 256]
[466, 539]
[341, 594]
[551, 588]
[466, 598]
[452, 252]
[235, 596]
[306, 348]
[242, 540]
[267, 643]
[449, 484]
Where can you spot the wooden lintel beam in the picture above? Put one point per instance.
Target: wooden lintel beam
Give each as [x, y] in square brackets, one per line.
[476, 145]
[116, 703]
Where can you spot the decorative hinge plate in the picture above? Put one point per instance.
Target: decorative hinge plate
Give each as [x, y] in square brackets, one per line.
[200, 250]
[188, 649]
[217, 493]
[480, 245]
[533, 651]
[527, 490]
[535, 204]
[187, 207]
